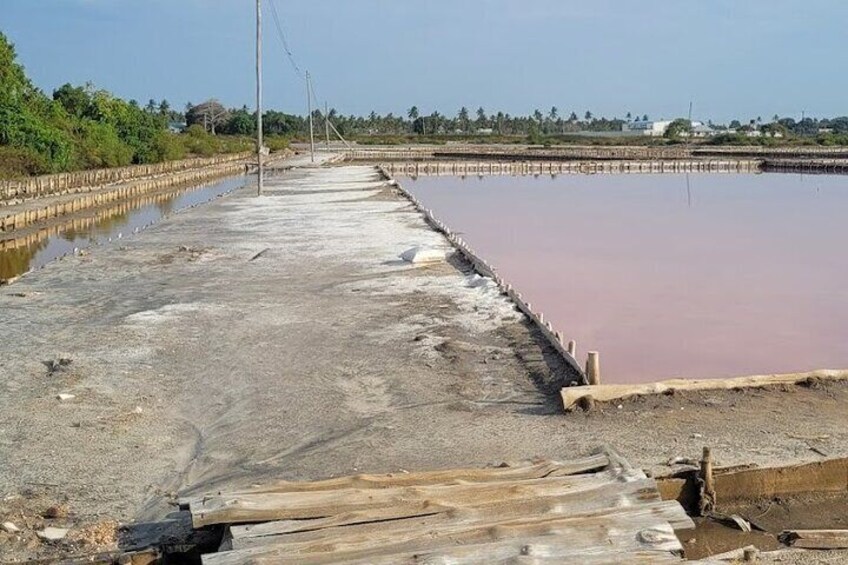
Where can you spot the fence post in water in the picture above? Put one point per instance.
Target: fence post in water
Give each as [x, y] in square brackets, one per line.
[593, 368]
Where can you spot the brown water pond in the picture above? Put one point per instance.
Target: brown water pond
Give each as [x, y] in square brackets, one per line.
[35, 247]
[697, 276]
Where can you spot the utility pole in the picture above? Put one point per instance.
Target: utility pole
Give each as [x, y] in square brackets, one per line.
[327, 124]
[689, 137]
[311, 126]
[259, 143]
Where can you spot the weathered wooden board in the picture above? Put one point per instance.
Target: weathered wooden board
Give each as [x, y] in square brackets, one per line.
[621, 532]
[584, 504]
[571, 396]
[382, 504]
[596, 510]
[816, 539]
[471, 530]
[514, 471]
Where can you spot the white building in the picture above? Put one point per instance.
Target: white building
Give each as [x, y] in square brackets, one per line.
[702, 130]
[650, 127]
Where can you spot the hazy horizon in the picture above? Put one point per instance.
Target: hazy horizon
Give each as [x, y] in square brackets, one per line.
[733, 61]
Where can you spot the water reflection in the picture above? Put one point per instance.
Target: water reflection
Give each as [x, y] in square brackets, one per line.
[669, 275]
[38, 246]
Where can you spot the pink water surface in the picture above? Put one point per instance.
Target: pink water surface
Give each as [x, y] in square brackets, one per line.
[695, 276]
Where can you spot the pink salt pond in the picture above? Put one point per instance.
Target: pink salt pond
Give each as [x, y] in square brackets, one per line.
[697, 276]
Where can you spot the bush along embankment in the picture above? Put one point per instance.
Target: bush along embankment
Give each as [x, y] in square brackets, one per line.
[81, 127]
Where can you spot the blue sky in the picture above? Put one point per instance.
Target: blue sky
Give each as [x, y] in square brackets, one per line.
[734, 58]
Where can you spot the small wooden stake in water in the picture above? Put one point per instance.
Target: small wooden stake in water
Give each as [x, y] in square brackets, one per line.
[593, 368]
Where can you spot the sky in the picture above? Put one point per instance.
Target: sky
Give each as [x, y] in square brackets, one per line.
[731, 58]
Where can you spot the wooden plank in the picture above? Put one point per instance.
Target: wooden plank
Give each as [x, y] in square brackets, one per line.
[753, 484]
[621, 532]
[467, 531]
[545, 550]
[582, 503]
[571, 396]
[387, 503]
[514, 471]
[816, 539]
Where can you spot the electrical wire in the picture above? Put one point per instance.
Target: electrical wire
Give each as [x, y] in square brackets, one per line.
[281, 35]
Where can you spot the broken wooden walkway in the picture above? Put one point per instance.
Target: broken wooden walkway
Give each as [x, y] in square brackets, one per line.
[594, 510]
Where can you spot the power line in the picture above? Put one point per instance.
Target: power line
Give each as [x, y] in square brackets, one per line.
[281, 35]
[310, 92]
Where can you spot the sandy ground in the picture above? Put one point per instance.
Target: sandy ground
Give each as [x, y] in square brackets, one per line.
[280, 337]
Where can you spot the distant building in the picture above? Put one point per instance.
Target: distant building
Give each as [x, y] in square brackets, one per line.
[646, 127]
[485, 131]
[702, 130]
[177, 127]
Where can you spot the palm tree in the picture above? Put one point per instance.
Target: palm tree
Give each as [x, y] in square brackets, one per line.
[413, 113]
[462, 117]
[481, 117]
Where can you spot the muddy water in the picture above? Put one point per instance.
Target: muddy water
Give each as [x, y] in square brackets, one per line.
[36, 247]
[669, 275]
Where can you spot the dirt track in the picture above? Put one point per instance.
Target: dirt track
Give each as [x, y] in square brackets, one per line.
[280, 337]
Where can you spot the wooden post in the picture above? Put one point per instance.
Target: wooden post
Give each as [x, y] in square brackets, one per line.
[708, 494]
[572, 349]
[593, 368]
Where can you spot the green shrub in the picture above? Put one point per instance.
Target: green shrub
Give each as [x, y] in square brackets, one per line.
[169, 147]
[277, 143]
[17, 162]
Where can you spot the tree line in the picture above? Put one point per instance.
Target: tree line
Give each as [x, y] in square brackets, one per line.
[81, 127]
[538, 125]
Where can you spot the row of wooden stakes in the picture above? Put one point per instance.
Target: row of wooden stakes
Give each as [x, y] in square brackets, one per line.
[591, 374]
[13, 192]
[20, 220]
